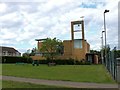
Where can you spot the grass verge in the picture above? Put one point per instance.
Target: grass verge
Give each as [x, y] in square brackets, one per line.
[77, 73]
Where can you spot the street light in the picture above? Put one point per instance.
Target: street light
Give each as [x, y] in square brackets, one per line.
[102, 48]
[105, 36]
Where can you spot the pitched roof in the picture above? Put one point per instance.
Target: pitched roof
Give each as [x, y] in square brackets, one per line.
[9, 49]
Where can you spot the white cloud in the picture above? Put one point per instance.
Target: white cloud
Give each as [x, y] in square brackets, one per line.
[7, 35]
[9, 16]
[30, 21]
[2, 7]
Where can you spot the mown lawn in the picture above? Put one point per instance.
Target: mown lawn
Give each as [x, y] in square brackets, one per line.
[0, 69]
[77, 73]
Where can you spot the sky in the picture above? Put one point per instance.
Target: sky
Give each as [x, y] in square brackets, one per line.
[24, 21]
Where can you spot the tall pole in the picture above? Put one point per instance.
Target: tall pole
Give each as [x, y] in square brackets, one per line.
[105, 41]
[102, 48]
[105, 38]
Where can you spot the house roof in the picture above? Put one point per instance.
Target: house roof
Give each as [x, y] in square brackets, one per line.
[9, 49]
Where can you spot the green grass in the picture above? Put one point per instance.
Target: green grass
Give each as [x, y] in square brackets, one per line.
[0, 84]
[0, 69]
[77, 73]
[14, 84]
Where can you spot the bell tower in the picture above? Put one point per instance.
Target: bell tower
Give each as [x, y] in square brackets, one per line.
[78, 44]
[79, 23]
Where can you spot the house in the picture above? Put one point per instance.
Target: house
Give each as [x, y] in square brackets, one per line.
[74, 48]
[9, 51]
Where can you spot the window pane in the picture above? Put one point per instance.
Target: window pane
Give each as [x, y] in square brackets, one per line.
[77, 43]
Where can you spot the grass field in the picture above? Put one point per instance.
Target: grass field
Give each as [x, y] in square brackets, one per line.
[78, 73]
[13, 84]
[0, 69]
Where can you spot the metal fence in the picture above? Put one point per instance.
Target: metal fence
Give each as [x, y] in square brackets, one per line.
[118, 70]
[113, 64]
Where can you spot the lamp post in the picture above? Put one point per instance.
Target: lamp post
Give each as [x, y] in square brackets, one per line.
[105, 37]
[102, 48]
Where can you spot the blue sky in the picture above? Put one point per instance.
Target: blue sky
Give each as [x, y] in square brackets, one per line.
[23, 22]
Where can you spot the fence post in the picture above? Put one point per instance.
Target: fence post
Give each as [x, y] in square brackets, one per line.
[113, 64]
[118, 70]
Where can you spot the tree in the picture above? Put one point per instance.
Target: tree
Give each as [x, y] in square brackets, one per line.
[26, 54]
[95, 51]
[107, 49]
[29, 53]
[51, 48]
[33, 51]
[117, 53]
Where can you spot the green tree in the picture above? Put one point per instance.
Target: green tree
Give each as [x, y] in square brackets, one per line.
[117, 53]
[33, 52]
[107, 49]
[29, 53]
[95, 51]
[26, 54]
[51, 48]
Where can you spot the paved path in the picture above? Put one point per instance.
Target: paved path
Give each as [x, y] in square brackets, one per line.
[59, 83]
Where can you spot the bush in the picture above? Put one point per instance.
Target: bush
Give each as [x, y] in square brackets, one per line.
[58, 62]
[64, 62]
[82, 63]
[11, 59]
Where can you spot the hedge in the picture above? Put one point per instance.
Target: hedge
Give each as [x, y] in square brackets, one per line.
[58, 62]
[64, 62]
[12, 59]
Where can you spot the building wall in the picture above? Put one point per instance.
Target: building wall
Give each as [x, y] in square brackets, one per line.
[39, 45]
[10, 54]
[87, 47]
[67, 47]
[7, 53]
[81, 52]
[72, 51]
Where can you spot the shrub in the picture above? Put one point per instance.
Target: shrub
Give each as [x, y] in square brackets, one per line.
[82, 62]
[11, 59]
[64, 62]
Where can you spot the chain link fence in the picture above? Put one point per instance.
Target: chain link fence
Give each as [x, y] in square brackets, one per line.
[113, 64]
